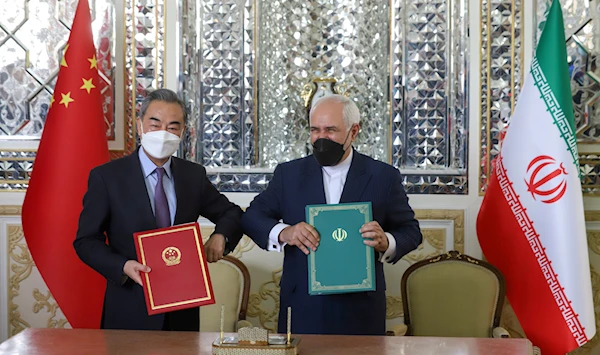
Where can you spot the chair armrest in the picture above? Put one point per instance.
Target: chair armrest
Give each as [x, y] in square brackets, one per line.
[397, 330]
[243, 324]
[500, 332]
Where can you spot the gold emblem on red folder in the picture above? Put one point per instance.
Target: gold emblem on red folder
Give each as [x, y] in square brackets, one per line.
[339, 234]
[171, 256]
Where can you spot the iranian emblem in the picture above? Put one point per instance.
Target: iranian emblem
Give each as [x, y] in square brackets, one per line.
[339, 234]
[171, 256]
[546, 179]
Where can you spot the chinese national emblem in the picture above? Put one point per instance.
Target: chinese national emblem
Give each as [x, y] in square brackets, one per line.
[546, 179]
[171, 256]
[339, 234]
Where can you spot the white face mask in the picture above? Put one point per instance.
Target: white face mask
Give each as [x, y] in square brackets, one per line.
[160, 144]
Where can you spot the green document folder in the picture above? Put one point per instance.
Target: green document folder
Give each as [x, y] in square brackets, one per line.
[342, 262]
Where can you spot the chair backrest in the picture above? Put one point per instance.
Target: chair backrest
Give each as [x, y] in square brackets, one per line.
[452, 295]
[231, 284]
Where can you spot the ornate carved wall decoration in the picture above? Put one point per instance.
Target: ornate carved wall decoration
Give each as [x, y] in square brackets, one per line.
[245, 245]
[435, 238]
[8, 210]
[393, 308]
[267, 314]
[456, 216]
[593, 239]
[21, 266]
[47, 302]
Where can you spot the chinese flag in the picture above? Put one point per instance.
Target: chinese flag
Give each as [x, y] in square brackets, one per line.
[73, 142]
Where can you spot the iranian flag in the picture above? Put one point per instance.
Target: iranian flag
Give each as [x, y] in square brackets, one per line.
[531, 224]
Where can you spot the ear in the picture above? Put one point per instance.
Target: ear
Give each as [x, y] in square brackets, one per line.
[355, 129]
[139, 127]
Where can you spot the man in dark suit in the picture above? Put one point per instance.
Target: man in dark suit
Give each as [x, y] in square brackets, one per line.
[124, 196]
[335, 173]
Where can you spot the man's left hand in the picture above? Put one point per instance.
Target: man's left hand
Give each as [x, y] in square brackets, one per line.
[373, 231]
[215, 247]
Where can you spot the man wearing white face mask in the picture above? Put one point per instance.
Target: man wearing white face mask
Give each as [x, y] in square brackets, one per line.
[146, 190]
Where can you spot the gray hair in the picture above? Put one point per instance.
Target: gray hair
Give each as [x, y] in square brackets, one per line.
[350, 112]
[165, 95]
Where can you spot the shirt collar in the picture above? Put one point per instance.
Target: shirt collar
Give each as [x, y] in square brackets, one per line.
[148, 166]
[342, 167]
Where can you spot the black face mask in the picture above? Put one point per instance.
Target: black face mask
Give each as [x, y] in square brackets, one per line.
[328, 152]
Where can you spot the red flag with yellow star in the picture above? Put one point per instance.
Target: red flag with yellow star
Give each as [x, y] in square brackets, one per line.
[73, 142]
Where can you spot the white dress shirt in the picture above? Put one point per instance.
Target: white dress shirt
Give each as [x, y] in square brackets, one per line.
[334, 179]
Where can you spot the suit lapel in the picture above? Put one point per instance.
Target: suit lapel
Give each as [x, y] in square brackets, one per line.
[357, 179]
[137, 186]
[313, 182]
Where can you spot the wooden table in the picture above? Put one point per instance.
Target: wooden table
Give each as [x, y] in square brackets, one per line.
[84, 341]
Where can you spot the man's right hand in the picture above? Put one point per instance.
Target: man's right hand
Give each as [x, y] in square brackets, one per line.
[132, 269]
[302, 235]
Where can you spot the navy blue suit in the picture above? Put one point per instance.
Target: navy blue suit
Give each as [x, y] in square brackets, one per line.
[299, 183]
[117, 205]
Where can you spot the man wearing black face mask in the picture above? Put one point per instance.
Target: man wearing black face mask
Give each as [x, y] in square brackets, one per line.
[335, 173]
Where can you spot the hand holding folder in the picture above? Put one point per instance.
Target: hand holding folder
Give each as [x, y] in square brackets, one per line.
[179, 276]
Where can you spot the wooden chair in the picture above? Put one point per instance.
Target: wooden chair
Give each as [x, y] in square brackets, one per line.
[453, 295]
[231, 284]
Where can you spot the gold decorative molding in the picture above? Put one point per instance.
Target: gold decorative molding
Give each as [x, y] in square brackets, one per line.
[593, 239]
[20, 269]
[436, 237]
[393, 307]
[268, 291]
[10, 210]
[456, 216]
[592, 216]
[43, 301]
[245, 244]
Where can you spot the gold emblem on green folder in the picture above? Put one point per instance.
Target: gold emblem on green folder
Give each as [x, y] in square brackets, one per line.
[339, 234]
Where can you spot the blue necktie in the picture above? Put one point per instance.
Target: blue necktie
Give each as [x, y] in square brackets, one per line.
[161, 205]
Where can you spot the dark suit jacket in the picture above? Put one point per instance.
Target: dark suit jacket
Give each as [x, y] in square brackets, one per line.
[299, 183]
[115, 206]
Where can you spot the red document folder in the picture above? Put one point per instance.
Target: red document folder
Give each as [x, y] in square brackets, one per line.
[179, 277]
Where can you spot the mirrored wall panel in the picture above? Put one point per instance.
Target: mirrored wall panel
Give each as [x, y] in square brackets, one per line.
[250, 68]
